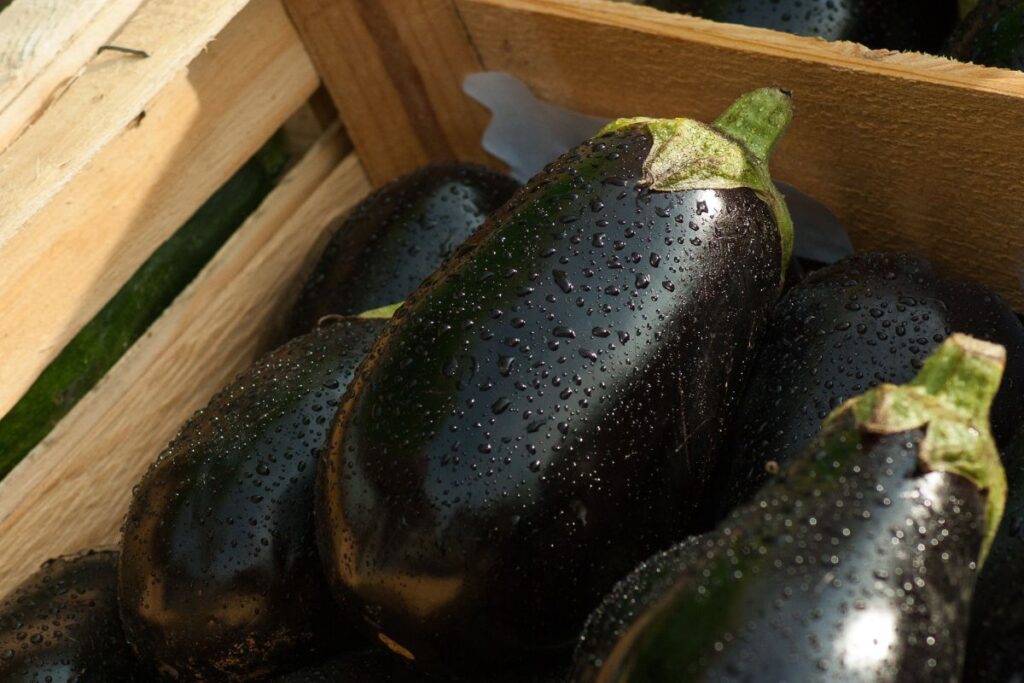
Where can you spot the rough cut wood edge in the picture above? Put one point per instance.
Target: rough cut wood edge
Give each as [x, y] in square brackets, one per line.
[43, 45]
[108, 95]
[72, 255]
[72, 491]
[395, 69]
[910, 151]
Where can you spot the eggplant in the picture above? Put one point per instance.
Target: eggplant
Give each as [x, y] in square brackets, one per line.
[361, 666]
[908, 25]
[994, 654]
[795, 273]
[869, 319]
[61, 625]
[219, 576]
[392, 240]
[856, 564]
[992, 35]
[545, 410]
[375, 666]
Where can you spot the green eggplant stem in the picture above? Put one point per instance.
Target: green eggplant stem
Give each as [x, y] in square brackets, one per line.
[731, 153]
[950, 398]
[758, 119]
[382, 313]
[964, 374]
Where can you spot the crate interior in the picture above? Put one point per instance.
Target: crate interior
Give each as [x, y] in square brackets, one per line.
[901, 147]
[908, 150]
[231, 75]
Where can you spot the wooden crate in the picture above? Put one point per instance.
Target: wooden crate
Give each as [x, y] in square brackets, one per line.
[105, 155]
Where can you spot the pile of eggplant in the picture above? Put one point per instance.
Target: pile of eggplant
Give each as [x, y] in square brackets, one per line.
[908, 25]
[987, 32]
[581, 430]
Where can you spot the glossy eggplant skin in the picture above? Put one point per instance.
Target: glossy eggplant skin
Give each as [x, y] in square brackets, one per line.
[366, 666]
[868, 319]
[376, 666]
[61, 625]
[854, 565]
[219, 575]
[992, 35]
[795, 273]
[391, 241]
[994, 654]
[909, 25]
[546, 409]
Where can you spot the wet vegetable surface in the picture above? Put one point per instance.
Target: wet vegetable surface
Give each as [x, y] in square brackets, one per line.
[220, 577]
[869, 319]
[61, 625]
[544, 412]
[993, 35]
[376, 666]
[856, 564]
[994, 654]
[392, 240]
[918, 25]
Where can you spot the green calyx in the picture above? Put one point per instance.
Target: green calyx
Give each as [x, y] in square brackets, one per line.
[731, 153]
[382, 313]
[966, 6]
[951, 396]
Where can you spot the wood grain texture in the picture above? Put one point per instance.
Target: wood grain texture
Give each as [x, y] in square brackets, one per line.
[108, 95]
[307, 124]
[395, 69]
[69, 256]
[323, 107]
[73, 489]
[43, 45]
[910, 151]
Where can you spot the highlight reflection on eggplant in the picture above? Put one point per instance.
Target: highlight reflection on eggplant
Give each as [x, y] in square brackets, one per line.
[856, 564]
[563, 382]
[220, 577]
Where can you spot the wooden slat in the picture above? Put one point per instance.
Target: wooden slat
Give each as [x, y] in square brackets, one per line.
[64, 259]
[395, 70]
[74, 488]
[43, 45]
[322, 106]
[910, 151]
[111, 92]
[307, 124]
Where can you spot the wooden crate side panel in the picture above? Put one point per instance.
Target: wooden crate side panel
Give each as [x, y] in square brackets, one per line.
[108, 95]
[73, 490]
[910, 151]
[307, 124]
[395, 69]
[69, 257]
[43, 46]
